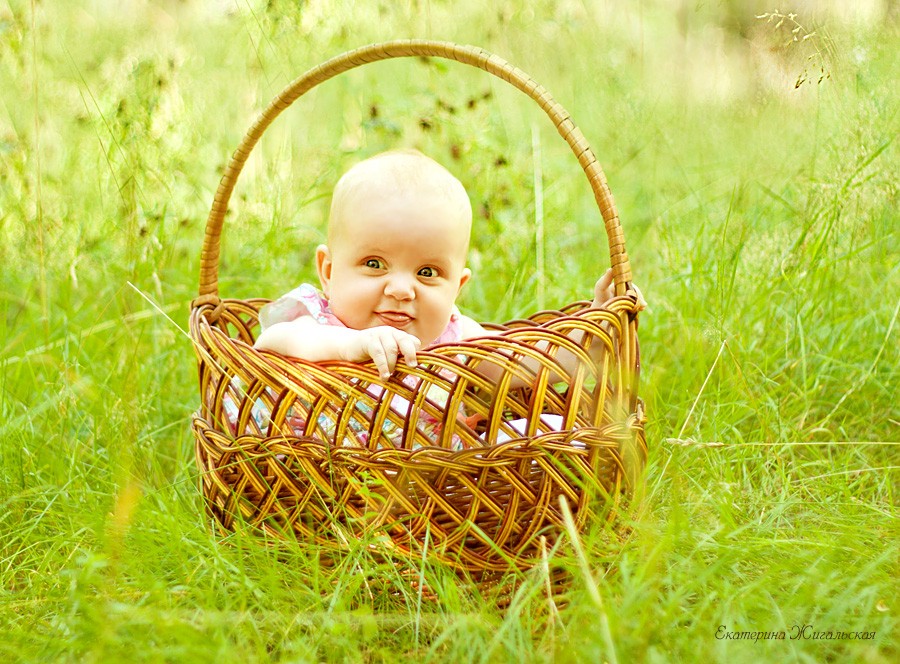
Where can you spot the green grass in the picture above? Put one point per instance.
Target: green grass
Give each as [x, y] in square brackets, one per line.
[763, 229]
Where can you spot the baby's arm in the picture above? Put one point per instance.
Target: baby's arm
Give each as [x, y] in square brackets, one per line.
[603, 291]
[494, 372]
[307, 339]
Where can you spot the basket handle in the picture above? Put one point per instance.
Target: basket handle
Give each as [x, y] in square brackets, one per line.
[470, 55]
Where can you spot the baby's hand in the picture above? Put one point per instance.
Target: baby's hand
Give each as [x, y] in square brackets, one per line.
[604, 290]
[384, 345]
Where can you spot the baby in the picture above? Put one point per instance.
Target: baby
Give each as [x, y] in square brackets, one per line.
[395, 262]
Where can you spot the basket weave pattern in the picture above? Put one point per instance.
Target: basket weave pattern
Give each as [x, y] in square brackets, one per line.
[479, 504]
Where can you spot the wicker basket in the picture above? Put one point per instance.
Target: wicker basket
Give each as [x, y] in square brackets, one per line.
[479, 505]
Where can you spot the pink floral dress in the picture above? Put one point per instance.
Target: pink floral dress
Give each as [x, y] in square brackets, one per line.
[307, 300]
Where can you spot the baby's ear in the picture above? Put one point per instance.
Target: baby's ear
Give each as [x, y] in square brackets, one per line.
[464, 276]
[323, 266]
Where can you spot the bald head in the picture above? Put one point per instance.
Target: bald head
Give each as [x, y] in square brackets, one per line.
[398, 174]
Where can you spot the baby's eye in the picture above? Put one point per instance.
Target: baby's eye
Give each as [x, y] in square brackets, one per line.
[375, 264]
[428, 272]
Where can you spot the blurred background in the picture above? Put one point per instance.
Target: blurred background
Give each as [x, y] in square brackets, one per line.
[751, 150]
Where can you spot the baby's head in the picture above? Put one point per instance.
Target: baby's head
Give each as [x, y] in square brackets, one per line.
[398, 234]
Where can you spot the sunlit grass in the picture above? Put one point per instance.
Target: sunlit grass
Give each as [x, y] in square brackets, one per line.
[762, 225]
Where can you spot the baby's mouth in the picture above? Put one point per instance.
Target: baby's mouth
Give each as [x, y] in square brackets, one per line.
[396, 319]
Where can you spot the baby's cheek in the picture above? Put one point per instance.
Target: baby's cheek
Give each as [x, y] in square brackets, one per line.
[348, 317]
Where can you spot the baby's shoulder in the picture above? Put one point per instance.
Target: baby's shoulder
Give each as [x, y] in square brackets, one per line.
[470, 328]
[305, 300]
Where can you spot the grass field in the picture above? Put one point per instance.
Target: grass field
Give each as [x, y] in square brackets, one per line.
[755, 175]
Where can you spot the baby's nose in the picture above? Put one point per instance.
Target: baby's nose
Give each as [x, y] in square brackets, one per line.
[400, 287]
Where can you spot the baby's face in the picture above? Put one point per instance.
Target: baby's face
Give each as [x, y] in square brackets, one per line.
[395, 260]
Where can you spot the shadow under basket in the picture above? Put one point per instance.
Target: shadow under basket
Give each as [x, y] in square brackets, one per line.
[435, 458]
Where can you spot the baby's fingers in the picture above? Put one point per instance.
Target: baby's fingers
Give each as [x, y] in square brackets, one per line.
[605, 282]
[408, 345]
[603, 289]
[384, 354]
[641, 302]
